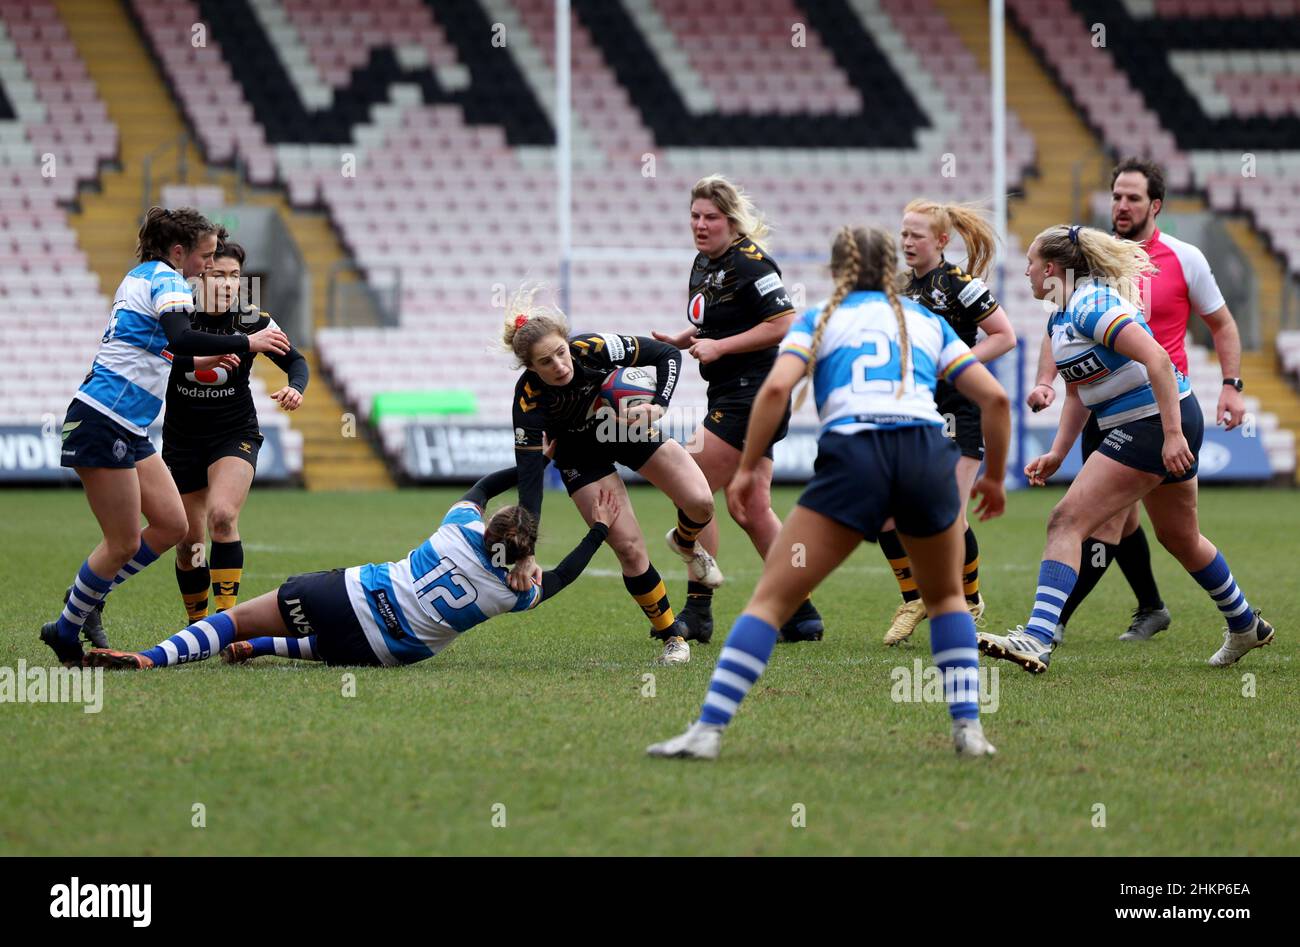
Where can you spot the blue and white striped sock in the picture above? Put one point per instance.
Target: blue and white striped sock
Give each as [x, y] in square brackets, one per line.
[200, 640]
[302, 648]
[144, 556]
[952, 642]
[1055, 582]
[88, 590]
[742, 660]
[1217, 579]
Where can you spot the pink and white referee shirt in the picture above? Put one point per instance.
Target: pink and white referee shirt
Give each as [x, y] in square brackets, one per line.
[1183, 284]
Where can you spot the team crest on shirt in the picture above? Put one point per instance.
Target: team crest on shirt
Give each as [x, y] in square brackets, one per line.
[940, 298]
[695, 310]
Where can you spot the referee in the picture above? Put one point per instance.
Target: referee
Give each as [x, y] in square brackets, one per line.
[211, 437]
[1183, 284]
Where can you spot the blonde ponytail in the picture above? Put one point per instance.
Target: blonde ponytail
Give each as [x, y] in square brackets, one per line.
[529, 321]
[1085, 252]
[970, 225]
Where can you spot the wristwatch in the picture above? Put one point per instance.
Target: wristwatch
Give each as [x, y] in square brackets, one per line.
[1234, 383]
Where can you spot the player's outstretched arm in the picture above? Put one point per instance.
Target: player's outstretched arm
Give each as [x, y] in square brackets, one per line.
[604, 512]
[184, 340]
[499, 481]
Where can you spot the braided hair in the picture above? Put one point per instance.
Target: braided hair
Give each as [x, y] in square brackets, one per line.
[865, 258]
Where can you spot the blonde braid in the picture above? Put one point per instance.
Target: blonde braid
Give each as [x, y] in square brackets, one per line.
[889, 284]
[845, 246]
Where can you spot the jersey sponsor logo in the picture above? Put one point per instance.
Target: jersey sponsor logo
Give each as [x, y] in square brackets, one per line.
[298, 616]
[1086, 368]
[246, 447]
[615, 346]
[212, 392]
[695, 310]
[387, 613]
[971, 291]
[208, 376]
[768, 284]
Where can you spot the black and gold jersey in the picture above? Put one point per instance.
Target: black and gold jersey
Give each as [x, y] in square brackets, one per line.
[217, 402]
[732, 294]
[540, 408]
[949, 291]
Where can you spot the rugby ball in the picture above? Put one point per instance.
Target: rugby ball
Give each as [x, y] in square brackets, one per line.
[625, 389]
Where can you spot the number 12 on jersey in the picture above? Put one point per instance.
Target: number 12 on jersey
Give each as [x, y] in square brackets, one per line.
[444, 584]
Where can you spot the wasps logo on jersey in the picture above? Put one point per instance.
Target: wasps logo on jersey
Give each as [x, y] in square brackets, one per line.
[949, 291]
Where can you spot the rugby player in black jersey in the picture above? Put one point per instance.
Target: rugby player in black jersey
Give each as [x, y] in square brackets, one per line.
[555, 400]
[962, 298]
[211, 436]
[739, 312]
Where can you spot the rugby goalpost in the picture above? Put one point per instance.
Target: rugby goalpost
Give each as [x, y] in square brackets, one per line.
[564, 173]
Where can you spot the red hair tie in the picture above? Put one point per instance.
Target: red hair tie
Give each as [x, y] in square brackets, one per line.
[520, 320]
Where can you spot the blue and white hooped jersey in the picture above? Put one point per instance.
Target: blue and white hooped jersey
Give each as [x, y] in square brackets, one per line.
[856, 376]
[128, 381]
[1114, 387]
[411, 610]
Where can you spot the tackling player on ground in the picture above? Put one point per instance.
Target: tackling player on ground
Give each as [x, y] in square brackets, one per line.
[1183, 283]
[211, 436]
[962, 298]
[1153, 427]
[739, 311]
[873, 359]
[392, 613]
[555, 401]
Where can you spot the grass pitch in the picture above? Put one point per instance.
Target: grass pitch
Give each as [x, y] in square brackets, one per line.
[527, 737]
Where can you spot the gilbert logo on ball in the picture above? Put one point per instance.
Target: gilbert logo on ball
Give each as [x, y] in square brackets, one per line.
[624, 389]
[209, 376]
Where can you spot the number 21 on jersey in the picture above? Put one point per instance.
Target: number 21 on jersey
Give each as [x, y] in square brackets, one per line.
[875, 371]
